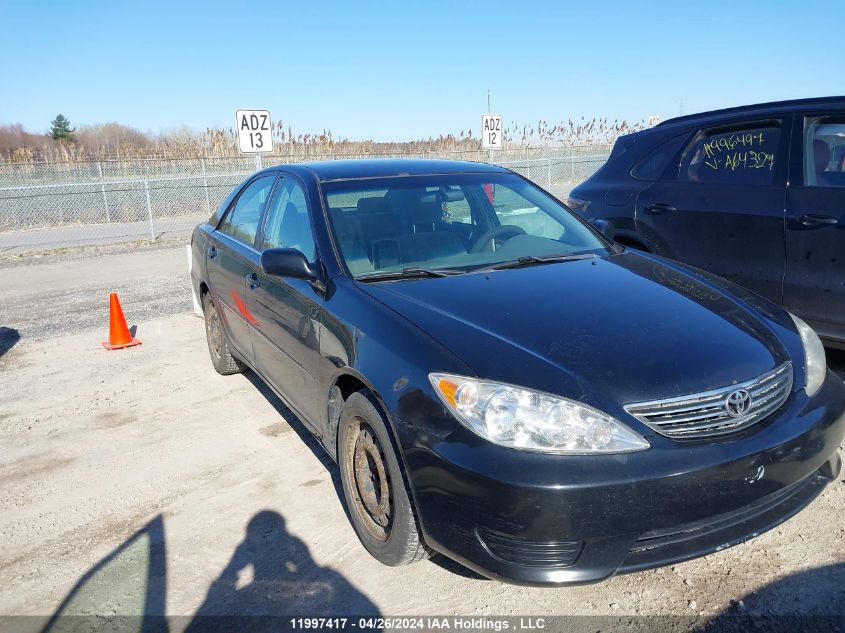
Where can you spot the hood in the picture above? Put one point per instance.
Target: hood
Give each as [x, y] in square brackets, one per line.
[626, 327]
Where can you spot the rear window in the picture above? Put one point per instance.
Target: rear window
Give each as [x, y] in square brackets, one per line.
[622, 144]
[349, 199]
[655, 163]
[738, 156]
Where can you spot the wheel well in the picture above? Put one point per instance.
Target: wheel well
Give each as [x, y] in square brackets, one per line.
[343, 387]
[348, 385]
[203, 292]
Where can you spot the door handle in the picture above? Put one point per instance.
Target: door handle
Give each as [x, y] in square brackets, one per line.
[658, 208]
[212, 252]
[252, 280]
[817, 220]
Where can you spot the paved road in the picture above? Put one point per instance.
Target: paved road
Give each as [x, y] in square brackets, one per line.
[91, 234]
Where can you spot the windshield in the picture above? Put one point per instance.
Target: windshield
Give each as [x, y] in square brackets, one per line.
[454, 222]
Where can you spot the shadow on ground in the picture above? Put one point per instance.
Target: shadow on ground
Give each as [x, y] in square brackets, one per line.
[284, 580]
[812, 600]
[270, 576]
[131, 581]
[312, 443]
[298, 427]
[8, 339]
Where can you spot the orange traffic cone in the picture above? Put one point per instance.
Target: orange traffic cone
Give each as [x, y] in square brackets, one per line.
[119, 334]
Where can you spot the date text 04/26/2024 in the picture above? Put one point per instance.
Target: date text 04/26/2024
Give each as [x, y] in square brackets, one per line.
[455, 623]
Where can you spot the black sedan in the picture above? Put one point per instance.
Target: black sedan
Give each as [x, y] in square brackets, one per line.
[500, 382]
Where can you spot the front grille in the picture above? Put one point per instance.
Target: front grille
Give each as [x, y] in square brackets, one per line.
[511, 549]
[706, 414]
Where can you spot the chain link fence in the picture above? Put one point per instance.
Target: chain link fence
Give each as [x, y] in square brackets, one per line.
[98, 202]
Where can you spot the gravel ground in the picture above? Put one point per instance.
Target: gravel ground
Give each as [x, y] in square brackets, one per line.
[62, 292]
[144, 469]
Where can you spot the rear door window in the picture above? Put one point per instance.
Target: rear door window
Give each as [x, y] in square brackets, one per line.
[824, 151]
[743, 155]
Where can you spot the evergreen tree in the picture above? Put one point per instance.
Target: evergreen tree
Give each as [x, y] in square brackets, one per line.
[60, 129]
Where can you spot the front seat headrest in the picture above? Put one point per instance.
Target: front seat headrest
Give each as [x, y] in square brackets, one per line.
[821, 155]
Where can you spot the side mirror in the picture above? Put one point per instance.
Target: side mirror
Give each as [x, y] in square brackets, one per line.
[288, 262]
[605, 227]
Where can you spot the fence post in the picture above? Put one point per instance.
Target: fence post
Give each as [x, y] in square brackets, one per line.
[149, 210]
[205, 184]
[103, 189]
[571, 165]
[549, 188]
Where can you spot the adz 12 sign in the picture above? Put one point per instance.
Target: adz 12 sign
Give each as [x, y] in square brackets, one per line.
[491, 131]
[255, 131]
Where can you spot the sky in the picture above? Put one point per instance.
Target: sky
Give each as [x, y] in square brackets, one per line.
[402, 70]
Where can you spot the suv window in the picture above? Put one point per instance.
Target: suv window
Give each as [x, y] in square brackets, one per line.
[737, 156]
[655, 163]
[287, 224]
[241, 222]
[824, 151]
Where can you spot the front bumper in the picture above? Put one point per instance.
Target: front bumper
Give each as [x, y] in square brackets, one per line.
[537, 519]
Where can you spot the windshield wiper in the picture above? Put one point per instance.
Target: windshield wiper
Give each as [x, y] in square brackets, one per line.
[410, 273]
[533, 260]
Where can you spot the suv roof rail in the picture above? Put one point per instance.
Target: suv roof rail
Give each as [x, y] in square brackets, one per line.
[756, 106]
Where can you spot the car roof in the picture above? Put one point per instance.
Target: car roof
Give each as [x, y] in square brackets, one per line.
[389, 167]
[764, 109]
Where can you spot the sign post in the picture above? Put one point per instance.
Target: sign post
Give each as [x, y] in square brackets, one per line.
[255, 133]
[491, 132]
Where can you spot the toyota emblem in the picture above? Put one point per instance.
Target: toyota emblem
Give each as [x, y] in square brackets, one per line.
[738, 403]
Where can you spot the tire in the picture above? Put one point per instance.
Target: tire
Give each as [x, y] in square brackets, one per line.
[218, 348]
[377, 500]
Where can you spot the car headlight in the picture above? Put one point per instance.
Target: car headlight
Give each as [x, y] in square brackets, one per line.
[815, 362]
[530, 420]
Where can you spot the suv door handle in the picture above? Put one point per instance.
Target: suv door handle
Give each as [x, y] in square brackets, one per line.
[658, 208]
[817, 220]
[212, 252]
[252, 280]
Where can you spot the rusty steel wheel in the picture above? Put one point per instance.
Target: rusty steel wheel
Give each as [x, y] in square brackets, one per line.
[372, 482]
[376, 495]
[222, 359]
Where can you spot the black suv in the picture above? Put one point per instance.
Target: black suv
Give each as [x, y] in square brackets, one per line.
[755, 194]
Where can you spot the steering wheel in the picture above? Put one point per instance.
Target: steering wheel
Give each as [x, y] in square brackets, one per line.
[492, 234]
